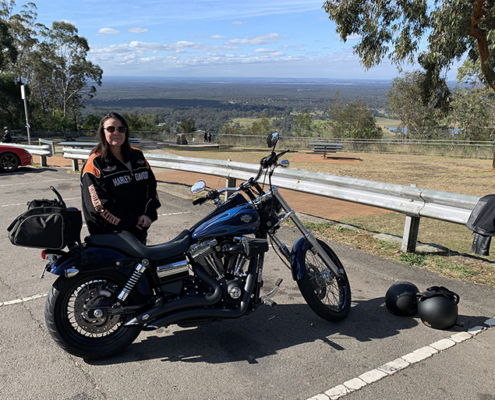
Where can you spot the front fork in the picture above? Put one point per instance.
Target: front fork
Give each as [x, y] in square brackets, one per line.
[307, 235]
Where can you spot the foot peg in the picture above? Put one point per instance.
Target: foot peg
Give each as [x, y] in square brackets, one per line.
[266, 300]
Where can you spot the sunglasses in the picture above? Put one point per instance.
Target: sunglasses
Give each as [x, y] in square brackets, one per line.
[120, 129]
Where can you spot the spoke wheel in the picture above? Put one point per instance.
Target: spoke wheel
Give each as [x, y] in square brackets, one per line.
[75, 325]
[9, 162]
[328, 296]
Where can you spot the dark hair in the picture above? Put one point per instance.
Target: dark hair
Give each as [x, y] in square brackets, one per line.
[103, 147]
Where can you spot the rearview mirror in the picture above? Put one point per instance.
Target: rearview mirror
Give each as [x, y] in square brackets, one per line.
[272, 139]
[198, 187]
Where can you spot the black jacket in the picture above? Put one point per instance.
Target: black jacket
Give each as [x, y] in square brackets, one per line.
[114, 197]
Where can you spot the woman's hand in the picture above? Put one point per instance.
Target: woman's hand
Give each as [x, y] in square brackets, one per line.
[143, 222]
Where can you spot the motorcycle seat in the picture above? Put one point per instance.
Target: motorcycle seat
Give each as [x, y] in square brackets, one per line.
[127, 243]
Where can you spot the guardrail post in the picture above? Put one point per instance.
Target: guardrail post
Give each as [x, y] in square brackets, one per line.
[410, 237]
[75, 165]
[43, 161]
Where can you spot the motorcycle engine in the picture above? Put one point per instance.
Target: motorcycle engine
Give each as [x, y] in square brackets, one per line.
[216, 260]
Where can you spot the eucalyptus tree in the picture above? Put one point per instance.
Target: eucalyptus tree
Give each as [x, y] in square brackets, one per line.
[64, 66]
[453, 29]
[473, 105]
[422, 120]
[25, 31]
[353, 120]
[8, 53]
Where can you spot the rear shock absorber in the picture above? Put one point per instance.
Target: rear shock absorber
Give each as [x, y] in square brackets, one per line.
[138, 271]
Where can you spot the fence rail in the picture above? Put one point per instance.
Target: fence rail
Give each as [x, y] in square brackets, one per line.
[43, 151]
[412, 201]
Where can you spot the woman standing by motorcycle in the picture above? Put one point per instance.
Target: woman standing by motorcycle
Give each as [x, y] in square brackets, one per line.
[118, 186]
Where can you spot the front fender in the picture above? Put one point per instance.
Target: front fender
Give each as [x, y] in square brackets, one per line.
[297, 258]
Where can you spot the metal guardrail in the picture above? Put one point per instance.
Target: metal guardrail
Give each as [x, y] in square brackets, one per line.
[412, 201]
[43, 151]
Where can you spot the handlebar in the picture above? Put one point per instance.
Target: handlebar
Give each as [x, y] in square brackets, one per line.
[266, 162]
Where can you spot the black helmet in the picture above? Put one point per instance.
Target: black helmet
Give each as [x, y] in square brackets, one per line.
[437, 307]
[401, 299]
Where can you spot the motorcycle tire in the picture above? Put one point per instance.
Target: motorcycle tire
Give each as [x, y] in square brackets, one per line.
[327, 295]
[69, 324]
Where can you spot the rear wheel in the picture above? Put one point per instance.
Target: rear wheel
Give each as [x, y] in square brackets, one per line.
[328, 295]
[9, 162]
[78, 332]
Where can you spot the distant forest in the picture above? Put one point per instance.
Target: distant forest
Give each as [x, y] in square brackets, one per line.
[211, 103]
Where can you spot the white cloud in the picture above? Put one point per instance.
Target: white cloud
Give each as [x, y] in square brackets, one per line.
[257, 40]
[70, 22]
[215, 37]
[354, 37]
[137, 30]
[240, 23]
[108, 31]
[268, 51]
[115, 49]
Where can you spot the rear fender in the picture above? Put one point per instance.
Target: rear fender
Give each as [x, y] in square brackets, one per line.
[297, 258]
[99, 259]
[95, 258]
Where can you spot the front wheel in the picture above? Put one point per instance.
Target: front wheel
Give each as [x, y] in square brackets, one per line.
[328, 296]
[76, 331]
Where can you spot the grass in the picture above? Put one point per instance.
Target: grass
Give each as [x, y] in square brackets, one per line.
[466, 176]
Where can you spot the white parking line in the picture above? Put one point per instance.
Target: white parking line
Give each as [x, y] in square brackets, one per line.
[17, 301]
[392, 367]
[23, 204]
[30, 183]
[178, 213]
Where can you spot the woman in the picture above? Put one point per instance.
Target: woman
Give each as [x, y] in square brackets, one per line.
[118, 186]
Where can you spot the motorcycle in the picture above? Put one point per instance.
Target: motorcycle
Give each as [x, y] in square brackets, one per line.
[111, 287]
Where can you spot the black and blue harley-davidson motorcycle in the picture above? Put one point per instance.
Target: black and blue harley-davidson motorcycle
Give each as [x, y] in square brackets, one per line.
[112, 287]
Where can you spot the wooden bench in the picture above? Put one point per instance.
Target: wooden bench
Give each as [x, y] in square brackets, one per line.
[324, 148]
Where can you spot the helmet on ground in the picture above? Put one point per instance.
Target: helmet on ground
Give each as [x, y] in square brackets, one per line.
[401, 299]
[437, 307]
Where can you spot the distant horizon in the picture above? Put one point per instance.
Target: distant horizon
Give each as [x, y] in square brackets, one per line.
[242, 78]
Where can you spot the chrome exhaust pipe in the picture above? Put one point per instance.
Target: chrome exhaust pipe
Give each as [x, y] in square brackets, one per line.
[212, 313]
[208, 300]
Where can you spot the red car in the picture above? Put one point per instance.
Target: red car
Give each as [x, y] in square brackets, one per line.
[12, 157]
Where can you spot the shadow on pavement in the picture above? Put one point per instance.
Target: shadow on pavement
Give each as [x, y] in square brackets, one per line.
[263, 333]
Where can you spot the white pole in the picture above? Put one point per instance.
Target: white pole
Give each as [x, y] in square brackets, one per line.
[23, 96]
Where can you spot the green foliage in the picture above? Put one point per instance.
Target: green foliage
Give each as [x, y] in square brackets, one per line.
[8, 53]
[395, 30]
[186, 126]
[473, 105]
[91, 123]
[11, 105]
[353, 120]
[261, 127]
[303, 124]
[52, 62]
[421, 120]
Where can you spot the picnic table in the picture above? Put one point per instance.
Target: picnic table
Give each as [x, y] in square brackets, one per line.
[324, 148]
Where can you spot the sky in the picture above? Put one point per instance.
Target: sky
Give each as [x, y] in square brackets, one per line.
[205, 38]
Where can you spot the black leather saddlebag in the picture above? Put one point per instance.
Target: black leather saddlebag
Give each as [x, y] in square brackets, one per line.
[46, 225]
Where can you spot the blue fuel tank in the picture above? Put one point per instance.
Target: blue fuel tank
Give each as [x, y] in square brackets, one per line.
[241, 220]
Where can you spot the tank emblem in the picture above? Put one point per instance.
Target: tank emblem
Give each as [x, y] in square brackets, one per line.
[246, 218]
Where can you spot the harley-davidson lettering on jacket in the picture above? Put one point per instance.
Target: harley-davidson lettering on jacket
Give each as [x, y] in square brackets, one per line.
[114, 196]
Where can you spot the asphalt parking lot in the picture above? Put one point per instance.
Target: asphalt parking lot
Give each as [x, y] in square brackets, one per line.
[285, 352]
